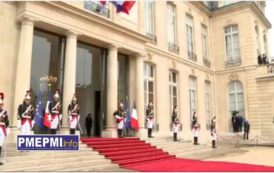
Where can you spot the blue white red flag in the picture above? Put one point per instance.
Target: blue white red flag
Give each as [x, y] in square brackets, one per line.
[47, 112]
[127, 123]
[38, 120]
[134, 118]
[121, 6]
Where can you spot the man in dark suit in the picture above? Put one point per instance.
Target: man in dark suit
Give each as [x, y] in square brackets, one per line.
[88, 123]
[246, 129]
[234, 121]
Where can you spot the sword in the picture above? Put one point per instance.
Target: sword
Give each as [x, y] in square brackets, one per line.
[80, 129]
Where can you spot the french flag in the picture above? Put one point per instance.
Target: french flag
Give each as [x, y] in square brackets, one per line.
[121, 6]
[134, 118]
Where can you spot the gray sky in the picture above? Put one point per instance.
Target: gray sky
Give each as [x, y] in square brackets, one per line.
[270, 15]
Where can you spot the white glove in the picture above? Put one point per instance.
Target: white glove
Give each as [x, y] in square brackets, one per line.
[49, 117]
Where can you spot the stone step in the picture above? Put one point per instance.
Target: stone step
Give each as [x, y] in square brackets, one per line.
[165, 144]
[62, 164]
[88, 168]
[183, 146]
[34, 160]
[167, 141]
[180, 151]
[187, 152]
[42, 155]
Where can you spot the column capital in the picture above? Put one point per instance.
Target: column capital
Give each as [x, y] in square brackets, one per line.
[27, 20]
[113, 46]
[72, 33]
[140, 54]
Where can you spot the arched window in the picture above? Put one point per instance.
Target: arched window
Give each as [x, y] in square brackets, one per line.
[236, 97]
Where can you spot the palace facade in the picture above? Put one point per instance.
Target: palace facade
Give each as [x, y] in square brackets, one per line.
[205, 57]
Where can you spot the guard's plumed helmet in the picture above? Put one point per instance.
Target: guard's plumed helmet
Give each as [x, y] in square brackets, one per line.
[176, 120]
[57, 93]
[1, 98]
[28, 95]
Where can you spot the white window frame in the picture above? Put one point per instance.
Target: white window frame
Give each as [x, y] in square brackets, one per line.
[230, 34]
[148, 79]
[192, 100]
[236, 92]
[208, 103]
[149, 16]
[173, 84]
[190, 35]
[171, 25]
[204, 34]
[258, 40]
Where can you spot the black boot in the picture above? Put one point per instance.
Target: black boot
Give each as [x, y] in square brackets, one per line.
[72, 131]
[214, 144]
[195, 140]
[150, 133]
[175, 137]
[0, 155]
[120, 133]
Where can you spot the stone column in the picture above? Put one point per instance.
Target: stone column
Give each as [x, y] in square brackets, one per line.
[140, 93]
[23, 71]
[69, 74]
[112, 91]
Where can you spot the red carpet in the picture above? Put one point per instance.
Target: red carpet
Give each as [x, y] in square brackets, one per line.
[134, 154]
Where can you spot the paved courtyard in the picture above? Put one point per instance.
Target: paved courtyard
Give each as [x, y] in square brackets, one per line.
[252, 155]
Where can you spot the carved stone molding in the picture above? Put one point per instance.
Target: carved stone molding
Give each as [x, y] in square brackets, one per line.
[173, 64]
[72, 33]
[193, 71]
[233, 76]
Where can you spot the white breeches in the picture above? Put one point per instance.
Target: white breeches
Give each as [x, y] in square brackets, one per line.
[196, 133]
[214, 136]
[73, 123]
[26, 129]
[120, 125]
[176, 128]
[54, 123]
[2, 137]
[150, 124]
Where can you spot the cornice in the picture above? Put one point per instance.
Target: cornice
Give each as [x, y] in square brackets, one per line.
[240, 5]
[178, 59]
[106, 22]
[201, 6]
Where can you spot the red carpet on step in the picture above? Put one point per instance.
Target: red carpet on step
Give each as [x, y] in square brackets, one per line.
[135, 154]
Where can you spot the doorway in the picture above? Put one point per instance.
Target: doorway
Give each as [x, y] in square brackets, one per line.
[90, 85]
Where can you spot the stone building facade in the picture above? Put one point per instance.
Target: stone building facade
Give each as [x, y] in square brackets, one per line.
[200, 56]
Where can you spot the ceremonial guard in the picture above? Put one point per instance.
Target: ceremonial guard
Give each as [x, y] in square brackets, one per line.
[150, 119]
[120, 116]
[26, 115]
[176, 128]
[4, 123]
[74, 114]
[174, 114]
[55, 116]
[194, 119]
[196, 133]
[213, 132]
